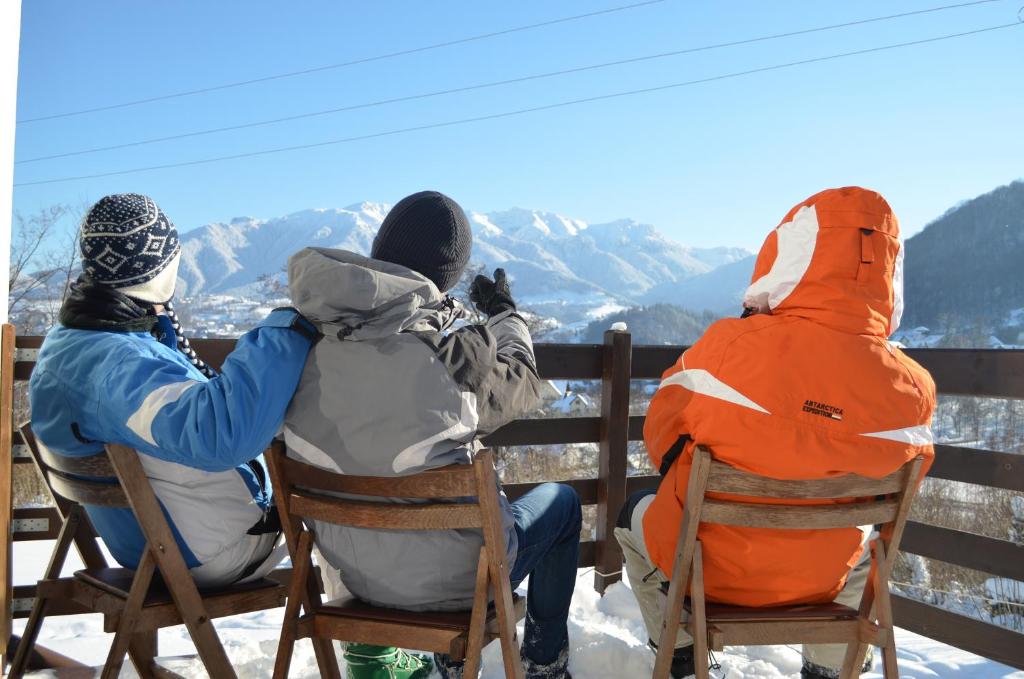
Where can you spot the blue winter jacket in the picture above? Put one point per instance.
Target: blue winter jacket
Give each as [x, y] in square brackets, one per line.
[93, 387]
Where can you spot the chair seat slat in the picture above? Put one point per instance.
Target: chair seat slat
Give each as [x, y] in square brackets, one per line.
[784, 632]
[725, 613]
[725, 478]
[427, 638]
[791, 517]
[118, 581]
[453, 481]
[352, 608]
[386, 515]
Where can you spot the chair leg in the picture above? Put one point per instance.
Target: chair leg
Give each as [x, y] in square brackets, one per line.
[498, 571]
[477, 620]
[700, 621]
[286, 644]
[506, 625]
[35, 621]
[190, 605]
[326, 658]
[129, 615]
[883, 609]
[671, 620]
[856, 652]
[162, 545]
[28, 639]
[323, 649]
[143, 649]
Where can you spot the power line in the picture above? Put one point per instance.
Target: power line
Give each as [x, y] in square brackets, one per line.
[344, 64]
[534, 109]
[496, 83]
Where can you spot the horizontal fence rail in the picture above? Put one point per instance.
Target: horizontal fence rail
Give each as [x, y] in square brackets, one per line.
[960, 372]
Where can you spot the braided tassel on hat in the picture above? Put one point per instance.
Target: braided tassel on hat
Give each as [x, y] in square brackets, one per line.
[185, 346]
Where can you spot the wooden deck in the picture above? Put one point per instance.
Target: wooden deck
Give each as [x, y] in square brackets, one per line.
[976, 373]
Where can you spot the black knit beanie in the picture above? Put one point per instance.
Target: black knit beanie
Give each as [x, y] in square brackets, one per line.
[429, 233]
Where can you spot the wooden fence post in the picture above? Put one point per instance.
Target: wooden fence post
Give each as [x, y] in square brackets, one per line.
[611, 482]
[6, 472]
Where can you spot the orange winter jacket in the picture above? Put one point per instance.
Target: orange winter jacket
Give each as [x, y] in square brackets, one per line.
[806, 388]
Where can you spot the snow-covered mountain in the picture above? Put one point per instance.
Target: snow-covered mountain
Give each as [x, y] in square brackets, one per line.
[719, 290]
[555, 262]
[219, 258]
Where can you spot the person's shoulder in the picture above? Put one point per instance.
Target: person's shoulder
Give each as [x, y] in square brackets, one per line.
[62, 341]
[74, 348]
[727, 339]
[77, 364]
[727, 331]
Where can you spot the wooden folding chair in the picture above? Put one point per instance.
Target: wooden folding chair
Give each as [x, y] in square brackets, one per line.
[886, 501]
[134, 604]
[302, 492]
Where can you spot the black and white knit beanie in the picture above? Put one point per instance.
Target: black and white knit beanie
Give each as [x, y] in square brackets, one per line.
[429, 233]
[129, 244]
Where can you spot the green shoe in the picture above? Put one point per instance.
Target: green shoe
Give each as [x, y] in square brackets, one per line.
[385, 662]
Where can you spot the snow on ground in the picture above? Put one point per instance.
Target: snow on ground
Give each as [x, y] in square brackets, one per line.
[607, 637]
[1005, 589]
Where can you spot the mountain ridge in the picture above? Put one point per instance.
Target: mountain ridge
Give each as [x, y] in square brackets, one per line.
[576, 272]
[548, 255]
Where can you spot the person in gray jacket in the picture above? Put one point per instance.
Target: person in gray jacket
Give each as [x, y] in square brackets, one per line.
[392, 390]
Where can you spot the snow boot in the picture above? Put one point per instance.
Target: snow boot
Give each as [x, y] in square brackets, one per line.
[556, 669]
[449, 669]
[812, 671]
[683, 666]
[365, 661]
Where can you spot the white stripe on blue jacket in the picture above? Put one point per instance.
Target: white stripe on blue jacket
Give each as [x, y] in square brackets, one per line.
[93, 387]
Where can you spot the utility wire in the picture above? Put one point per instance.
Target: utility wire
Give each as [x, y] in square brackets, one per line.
[344, 64]
[522, 111]
[495, 83]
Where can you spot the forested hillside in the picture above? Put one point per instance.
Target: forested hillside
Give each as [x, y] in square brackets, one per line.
[655, 324]
[966, 266]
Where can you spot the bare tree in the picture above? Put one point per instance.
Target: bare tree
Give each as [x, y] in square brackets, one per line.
[44, 262]
[30, 236]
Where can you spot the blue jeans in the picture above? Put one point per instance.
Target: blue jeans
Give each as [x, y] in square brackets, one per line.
[548, 521]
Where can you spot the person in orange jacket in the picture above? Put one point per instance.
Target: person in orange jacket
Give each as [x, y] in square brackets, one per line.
[804, 386]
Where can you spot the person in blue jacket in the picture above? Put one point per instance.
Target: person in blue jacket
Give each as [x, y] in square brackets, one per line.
[117, 369]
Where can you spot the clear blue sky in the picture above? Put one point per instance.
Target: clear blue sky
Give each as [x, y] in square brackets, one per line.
[716, 163]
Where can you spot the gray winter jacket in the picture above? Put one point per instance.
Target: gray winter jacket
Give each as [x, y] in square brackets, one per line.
[389, 392]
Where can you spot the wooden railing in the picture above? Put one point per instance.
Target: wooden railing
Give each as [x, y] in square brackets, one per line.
[979, 373]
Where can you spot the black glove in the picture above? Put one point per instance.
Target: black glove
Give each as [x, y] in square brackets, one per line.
[492, 297]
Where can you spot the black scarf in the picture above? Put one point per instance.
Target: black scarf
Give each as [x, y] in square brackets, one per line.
[93, 306]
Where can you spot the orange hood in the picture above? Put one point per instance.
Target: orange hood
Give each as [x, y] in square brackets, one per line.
[836, 259]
